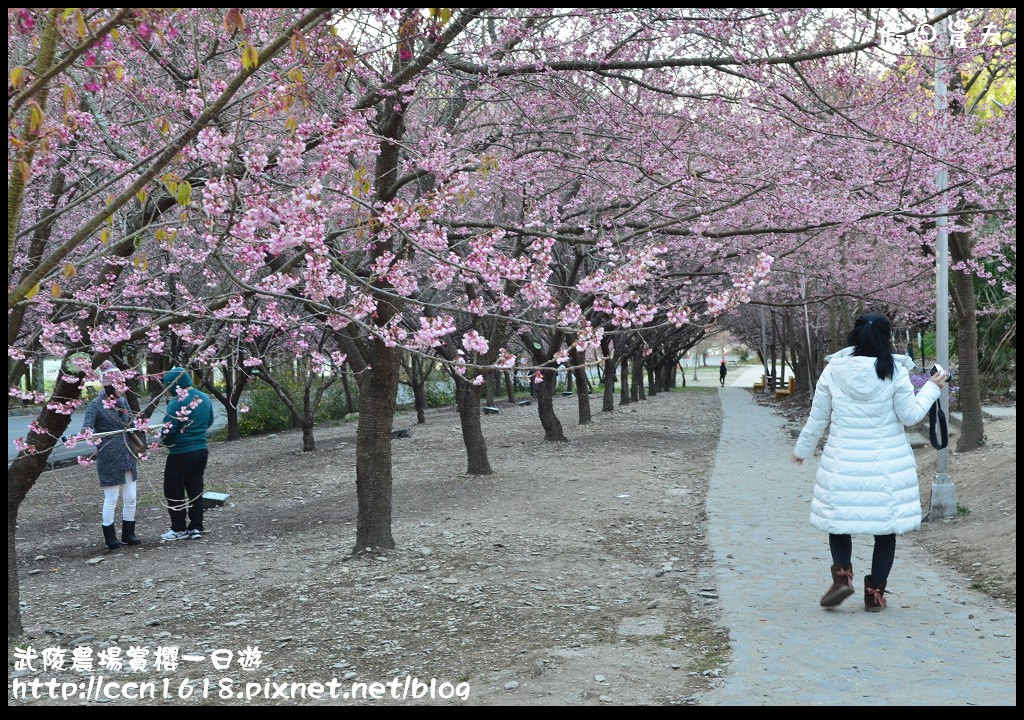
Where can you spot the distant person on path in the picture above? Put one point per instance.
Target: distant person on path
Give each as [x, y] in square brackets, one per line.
[867, 476]
[722, 370]
[115, 460]
[189, 415]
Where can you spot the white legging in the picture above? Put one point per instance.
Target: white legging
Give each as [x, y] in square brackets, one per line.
[110, 493]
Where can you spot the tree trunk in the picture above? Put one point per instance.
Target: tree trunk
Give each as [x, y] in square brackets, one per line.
[637, 392]
[234, 432]
[21, 476]
[509, 390]
[582, 395]
[624, 395]
[378, 389]
[155, 367]
[308, 444]
[652, 383]
[489, 379]
[349, 408]
[472, 432]
[785, 339]
[608, 403]
[38, 374]
[14, 628]
[419, 395]
[972, 429]
[546, 408]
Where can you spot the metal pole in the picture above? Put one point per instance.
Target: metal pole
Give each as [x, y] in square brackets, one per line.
[943, 500]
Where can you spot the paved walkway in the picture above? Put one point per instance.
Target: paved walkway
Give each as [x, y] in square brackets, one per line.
[738, 376]
[937, 643]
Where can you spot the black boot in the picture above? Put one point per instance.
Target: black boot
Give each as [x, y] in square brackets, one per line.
[128, 533]
[110, 535]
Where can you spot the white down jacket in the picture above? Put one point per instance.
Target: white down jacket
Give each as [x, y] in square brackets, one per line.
[867, 476]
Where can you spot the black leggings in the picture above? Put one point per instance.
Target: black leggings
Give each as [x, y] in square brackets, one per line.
[881, 559]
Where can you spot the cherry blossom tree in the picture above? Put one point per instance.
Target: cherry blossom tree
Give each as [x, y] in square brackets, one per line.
[466, 187]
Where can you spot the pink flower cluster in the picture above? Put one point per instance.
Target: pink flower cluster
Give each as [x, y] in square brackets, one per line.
[474, 342]
[213, 147]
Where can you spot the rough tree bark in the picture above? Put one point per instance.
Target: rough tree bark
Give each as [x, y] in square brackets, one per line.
[625, 394]
[582, 393]
[468, 403]
[546, 409]
[21, 476]
[637, 392]
[608, 402]
[972, 427]
[378, 393]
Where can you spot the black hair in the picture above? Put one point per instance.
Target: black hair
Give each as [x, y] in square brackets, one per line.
[110, 390]
[872, 337]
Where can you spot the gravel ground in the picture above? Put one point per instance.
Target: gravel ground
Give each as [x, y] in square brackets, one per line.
[577, 574]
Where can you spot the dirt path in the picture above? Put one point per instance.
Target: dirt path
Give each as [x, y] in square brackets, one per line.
[939, 641]
[578, 574]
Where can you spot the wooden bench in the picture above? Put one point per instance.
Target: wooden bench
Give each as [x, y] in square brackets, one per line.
[759, 386]
[787, 391]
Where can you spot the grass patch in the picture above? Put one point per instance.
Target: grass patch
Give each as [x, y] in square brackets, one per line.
[713, 645]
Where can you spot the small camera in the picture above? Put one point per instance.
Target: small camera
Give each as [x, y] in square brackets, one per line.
[937, 369]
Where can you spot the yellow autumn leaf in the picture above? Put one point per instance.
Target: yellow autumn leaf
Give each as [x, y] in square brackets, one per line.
[33, 292]
[250, 58]
[69, 270]
[16, 76]
[142, 195]
[55, 290]
[105, 236]
[35, 118]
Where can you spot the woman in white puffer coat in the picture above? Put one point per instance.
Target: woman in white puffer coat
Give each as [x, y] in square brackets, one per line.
[867, 476]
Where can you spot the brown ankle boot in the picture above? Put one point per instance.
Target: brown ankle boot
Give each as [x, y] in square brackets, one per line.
[874, 598]
[841, 588]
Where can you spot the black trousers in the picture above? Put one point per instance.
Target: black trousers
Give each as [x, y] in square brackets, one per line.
[881, 558]
[183, 488]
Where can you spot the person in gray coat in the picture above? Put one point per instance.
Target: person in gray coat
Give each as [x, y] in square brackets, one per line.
[115, 461]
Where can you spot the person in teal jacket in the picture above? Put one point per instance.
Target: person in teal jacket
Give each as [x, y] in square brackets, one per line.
[189, 415]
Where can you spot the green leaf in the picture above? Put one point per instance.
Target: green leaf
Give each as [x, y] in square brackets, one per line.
[184, 193]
